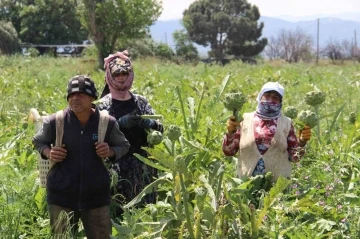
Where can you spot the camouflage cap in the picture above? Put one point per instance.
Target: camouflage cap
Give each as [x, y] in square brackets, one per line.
[83, 84]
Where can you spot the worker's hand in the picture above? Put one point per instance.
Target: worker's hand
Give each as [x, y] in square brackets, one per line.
[146, 123]
[305, 134]
[128, 121]
[232, 125]
[57, 154]
[103, 150]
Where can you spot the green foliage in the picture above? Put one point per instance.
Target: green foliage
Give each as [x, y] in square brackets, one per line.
[163, 51]
[184, 47]
[107, 21]
[198, 194]
[33, 52]
[44, 21]
[352, 117]
[139, 48]
[90, 52]
[229, 26]
[9, 42]
[10, 12]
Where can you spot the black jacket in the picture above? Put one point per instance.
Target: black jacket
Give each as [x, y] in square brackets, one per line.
[80, 181]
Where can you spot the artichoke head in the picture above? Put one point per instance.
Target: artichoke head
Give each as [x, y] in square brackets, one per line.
[309, 118]
[154, 137]
[314, 98]
[291, 112]
[174, 132]
[234, 102]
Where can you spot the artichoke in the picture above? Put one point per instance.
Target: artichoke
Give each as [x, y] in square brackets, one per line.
[268, 180]
[154, 137]
[174, 132]
[234, 102]
[314, 98]
[290, 112]
[352, 117]
[309, 118]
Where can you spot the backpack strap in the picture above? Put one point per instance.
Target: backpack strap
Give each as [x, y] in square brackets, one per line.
[59, 121]
[103, 124]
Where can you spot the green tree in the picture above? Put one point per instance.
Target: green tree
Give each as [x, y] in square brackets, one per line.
[51, 22]
[228, 26]
[10, 12]
[44, 21]
[184, 47]
[110, 20]
[163, 51]
[9, 42]
[139, 48]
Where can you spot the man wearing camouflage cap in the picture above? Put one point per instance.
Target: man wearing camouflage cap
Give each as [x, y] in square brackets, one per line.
[79, 183]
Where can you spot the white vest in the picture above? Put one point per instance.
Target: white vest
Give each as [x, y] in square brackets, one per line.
[275, 158]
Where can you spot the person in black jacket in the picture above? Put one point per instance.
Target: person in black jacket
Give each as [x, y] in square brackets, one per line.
[127, 107]
[79, 183]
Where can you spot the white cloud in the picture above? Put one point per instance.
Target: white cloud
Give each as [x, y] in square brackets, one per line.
[173, 9]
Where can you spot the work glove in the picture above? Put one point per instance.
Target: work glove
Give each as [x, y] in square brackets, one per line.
[146, 123]
[128, 121]
[305, 134]
[232, 125]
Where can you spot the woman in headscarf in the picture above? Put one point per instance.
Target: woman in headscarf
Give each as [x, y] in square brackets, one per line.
[265, 139]
[126, 107]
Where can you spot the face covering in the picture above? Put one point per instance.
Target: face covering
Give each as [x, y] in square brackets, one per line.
[114, 62]
[268, 110]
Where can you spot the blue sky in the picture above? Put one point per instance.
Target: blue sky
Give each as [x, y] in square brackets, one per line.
[172, 9]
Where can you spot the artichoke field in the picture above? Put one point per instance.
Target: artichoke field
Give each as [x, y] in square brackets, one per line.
[199, 195]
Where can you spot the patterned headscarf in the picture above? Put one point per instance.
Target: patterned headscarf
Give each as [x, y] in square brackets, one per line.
[115, 64]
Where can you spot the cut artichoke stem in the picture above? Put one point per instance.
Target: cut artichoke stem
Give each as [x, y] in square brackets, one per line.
[236, 114]
[238, 117]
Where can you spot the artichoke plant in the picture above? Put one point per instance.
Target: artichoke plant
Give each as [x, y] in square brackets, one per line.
[314, 98]
[174, 132]
[291, 112]
[352, 117]
[309, 118]
[154, 137]
[234, 102]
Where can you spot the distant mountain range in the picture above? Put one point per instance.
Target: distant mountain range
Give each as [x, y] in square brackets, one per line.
[351, 16]
[330, 28]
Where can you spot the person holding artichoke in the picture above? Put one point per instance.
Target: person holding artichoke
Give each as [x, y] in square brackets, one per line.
[127, 108]
[265, 139]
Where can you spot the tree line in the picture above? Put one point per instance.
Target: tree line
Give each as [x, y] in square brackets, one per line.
[229, 27]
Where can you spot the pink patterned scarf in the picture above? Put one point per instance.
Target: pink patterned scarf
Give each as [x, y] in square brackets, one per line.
[118, 91]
